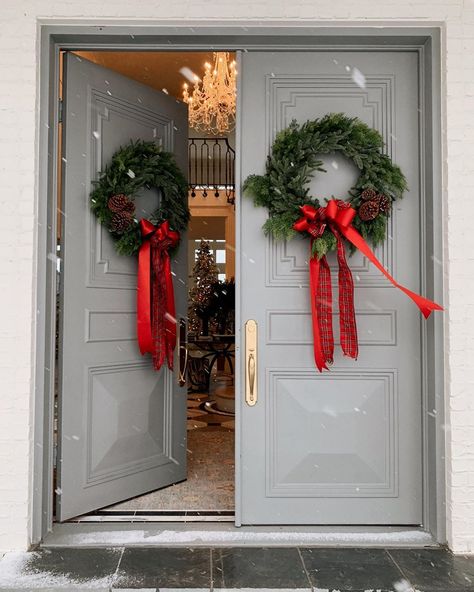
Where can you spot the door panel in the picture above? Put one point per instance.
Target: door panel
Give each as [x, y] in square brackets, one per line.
[343, 447]
[122, 425]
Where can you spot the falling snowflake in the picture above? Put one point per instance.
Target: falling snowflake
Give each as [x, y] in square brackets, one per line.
[170, 318]
[188, 73]
[358, 77]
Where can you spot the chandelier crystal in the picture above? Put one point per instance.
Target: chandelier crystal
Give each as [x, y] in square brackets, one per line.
[211, 104]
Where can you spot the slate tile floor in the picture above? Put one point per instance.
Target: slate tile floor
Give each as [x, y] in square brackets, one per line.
[303, 569]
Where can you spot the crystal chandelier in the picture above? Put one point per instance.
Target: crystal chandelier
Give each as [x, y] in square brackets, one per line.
[212, 101]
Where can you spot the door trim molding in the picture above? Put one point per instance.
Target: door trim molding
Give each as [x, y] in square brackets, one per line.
[424, 38]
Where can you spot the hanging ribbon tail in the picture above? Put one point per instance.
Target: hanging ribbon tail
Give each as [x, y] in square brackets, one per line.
[170, 314]
[163, 306]
[314, 266]
[144, 335]
[171, 321]
[159, 302]
[347, 317]
[324, 306]
[425, 305]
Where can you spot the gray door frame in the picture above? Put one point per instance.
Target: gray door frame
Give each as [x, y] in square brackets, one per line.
[425, 40]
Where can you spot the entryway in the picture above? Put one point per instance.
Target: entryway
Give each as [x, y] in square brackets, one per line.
[345, 448]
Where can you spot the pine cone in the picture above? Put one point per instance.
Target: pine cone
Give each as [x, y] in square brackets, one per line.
[369, 210]
[129, 207]
[368, 194]
[121, 222]
[385, 203]
[120, 203]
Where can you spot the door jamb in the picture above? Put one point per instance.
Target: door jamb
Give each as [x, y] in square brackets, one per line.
[426, 40]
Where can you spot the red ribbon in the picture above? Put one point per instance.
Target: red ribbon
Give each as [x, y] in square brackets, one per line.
[156, 315]
[338, 215]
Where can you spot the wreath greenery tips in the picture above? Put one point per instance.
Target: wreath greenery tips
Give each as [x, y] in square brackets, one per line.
[134, 166]
[294, 160]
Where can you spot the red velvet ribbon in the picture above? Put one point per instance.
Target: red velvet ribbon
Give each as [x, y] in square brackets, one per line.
[156, 315]
[338, 215]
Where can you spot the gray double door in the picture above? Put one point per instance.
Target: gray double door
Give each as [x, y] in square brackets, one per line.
[343, 447]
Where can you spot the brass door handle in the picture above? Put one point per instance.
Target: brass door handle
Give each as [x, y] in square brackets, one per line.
[251, 393]
[251, 374]
[182, 371]
[182, 353]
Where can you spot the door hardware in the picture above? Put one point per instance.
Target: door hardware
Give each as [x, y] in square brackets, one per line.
[251, 391]
[182, 353]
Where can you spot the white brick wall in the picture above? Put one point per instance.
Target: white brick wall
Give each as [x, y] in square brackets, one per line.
[18, 112]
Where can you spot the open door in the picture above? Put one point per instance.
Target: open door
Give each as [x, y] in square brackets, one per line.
[122, 426]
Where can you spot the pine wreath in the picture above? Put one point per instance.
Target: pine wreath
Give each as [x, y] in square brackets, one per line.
[293, 161]
[134, 166]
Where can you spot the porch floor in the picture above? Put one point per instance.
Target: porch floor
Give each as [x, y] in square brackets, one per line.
[238, 568]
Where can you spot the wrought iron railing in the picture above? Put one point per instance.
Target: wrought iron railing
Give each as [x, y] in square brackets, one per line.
[211, 167]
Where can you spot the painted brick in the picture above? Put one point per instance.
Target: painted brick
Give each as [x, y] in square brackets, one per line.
[18, 110]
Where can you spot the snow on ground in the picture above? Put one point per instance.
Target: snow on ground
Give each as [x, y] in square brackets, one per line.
[211, 538]
[17, 571]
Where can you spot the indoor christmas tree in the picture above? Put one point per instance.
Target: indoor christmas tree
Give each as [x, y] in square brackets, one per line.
[222, 306]
[204, 278]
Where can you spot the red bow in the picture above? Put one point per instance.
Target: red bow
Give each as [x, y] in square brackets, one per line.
[156, 316]
[338, 216]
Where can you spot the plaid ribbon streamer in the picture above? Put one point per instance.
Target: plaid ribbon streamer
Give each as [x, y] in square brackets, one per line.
[347, 318]
[324, 308]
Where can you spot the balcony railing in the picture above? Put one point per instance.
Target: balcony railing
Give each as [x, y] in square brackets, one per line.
[211, 167]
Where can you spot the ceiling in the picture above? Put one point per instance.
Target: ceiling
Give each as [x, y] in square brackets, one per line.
[206, 227]
[160, 70]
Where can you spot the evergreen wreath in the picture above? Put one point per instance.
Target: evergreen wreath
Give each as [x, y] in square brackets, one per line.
[134, 166]
[295, 157]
